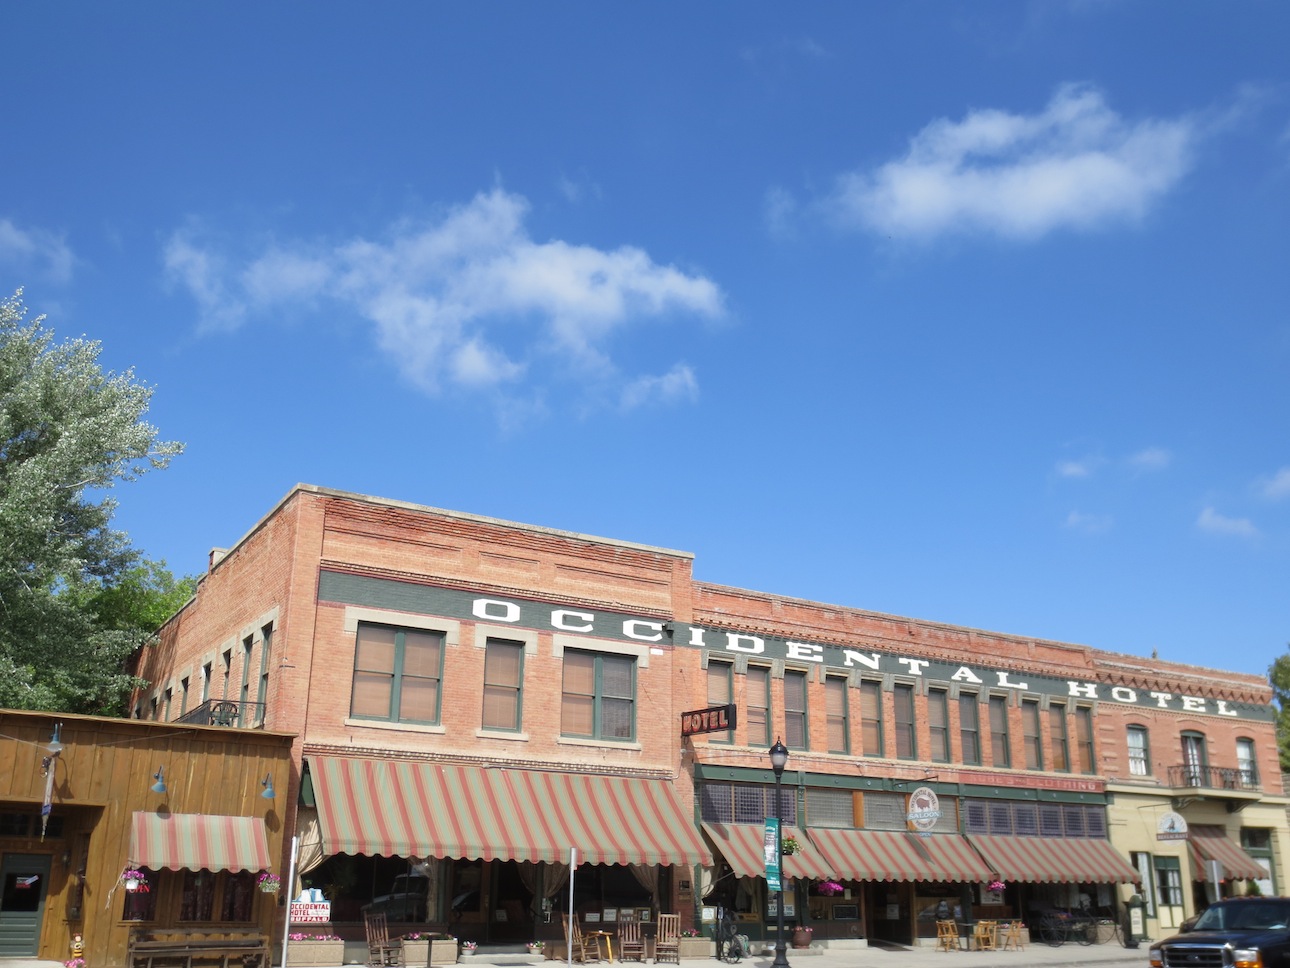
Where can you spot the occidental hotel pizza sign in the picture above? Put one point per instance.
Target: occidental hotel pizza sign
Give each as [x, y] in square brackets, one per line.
[452, 603]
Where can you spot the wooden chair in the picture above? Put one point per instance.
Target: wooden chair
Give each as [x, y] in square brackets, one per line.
[667, 945]
[631, 946]
[985, 936]
[381, 950]
[947, 936]
[1012, 937]
[581, 946]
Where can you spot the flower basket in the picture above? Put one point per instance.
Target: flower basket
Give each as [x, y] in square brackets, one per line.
[802, 937]
[133, 880]
[790, 846]
[829, 888]
[536, 947]
[268, 883]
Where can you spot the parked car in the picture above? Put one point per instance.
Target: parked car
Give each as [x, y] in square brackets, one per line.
[1237, 932]
[407, 900]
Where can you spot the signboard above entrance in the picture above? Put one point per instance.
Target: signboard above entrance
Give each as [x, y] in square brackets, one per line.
[714, 719]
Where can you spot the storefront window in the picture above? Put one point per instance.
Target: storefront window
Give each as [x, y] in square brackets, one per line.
[141, 904]
[239, 893]
[198, 899]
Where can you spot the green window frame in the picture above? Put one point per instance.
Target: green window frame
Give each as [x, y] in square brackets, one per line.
[1032, 741]
[938, 724]
[1168, 871]
[871, 717]
[796, 735]
[720, 685]
[838, 716]
[599, 696]
[1084, 740]
[903, 714]
[398, 674]
[244, 694]
[262, 697]
[757, 705]
[970, 728]
[1060, 736]
[1000, 745]
[1138, 742]
[503, 704]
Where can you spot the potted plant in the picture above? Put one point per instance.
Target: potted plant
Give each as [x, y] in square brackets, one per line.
[133, 879]
[790, 846]
[802, 936]
[829, 888]
[692, 944]
[268, 882]
[315, 949]
[468, 948]
[536, 947]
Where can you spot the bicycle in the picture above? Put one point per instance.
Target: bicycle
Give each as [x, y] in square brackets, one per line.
[731, 945]
[1058, 928]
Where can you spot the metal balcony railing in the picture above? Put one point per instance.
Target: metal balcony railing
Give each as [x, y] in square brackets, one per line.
[1213, 777]
[226, 712]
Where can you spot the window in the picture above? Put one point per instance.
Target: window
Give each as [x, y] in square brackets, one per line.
[141, 905]
[228, 670]
[720, 677]
[1194, 758]
[871, 717]
[197, 903]
[183, 695]
[1000, 753]
[170, 695]
[795, 736]
[1139, 758]
[1031, 742]
[1168, 881]
[206, 681]
[1084, 740]
[1141, 862]
[503, 666]
[599, 699]
[397, 674]
[745, 803]
[938, 721]
[239, 893]
[243, 711]
[262, 694]
[970, 727]
[906, 741]
[1060, 738]
[831, 808]
[757, 703]
[835, 703]
[1249, 776]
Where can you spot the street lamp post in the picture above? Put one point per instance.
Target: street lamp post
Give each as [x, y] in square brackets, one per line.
[778, 758]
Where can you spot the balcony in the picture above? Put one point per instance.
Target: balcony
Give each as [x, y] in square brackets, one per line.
[1238, 787]
[226, 712]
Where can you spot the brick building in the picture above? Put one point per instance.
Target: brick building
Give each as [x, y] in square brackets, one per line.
[473, 697]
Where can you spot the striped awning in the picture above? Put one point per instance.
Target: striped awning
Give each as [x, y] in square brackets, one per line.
[895, 855]
[193, 841]
[741, 845]
[398, 808]
[1212, 843]
[1051, 860]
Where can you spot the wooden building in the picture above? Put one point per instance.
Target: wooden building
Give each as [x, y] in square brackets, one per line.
[84, 799]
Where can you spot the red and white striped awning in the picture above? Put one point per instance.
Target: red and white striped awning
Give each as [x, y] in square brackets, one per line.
[1055, 860]
[1212, 843]
[191, 841]
[401, 808]
[741, 844]
[895, 855]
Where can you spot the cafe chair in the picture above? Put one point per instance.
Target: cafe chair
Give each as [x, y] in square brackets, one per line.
[631, 945]
[1012, 937]
[381, 950]
[985, 935]
[582, 946]
[947, 936]
[667, 945]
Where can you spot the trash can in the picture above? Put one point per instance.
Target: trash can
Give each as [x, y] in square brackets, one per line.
[1135, 921]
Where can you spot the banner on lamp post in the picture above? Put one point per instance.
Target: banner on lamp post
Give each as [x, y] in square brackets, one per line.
[771, 849]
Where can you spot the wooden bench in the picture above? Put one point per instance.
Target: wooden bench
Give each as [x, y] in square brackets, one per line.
[184, 948]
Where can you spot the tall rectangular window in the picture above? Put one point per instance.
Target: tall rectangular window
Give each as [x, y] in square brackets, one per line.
[183, 695]
[207, 672]
[1249, 774]
[1031, 740]
[720, 677]
[1000, 751]
[503, 665]
[1168, 881]
[871, 717]
[228, 671]
[795, 735]
[938, 722]
[397, 674]
[1059, 736]
[757, 705]
[266, 647]
[599, 697]
[1084, 740]
[244, 716]
[1139, 760]
[906, 741]
[835, 701]
[970, 727]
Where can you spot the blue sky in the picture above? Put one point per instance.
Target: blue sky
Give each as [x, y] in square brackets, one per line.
[971, 312]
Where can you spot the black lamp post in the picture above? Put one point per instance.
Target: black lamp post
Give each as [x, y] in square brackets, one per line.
[778, 759]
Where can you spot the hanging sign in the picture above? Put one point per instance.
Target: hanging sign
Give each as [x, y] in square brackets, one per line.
[770, 848]
[714, 719]
[924, 811]
[1171, 826]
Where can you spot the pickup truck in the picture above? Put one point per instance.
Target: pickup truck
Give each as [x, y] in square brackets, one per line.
[406, 900]
[1236, 932]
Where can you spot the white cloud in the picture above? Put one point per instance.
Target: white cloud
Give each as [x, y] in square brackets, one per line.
[1277, 486]
[1078, 468]
[1088, 522]
[1151, 459]
[1076, 164]
[676, 385]
[1214, 523]
[36, 251]
[469, 300]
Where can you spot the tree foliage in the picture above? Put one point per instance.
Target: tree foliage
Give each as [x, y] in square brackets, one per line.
[70, 585]
[1279, 676]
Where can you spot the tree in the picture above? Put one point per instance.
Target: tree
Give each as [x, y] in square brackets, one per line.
[68, 433]
[1279, 676]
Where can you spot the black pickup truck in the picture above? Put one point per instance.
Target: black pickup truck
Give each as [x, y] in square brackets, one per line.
[1237, 932]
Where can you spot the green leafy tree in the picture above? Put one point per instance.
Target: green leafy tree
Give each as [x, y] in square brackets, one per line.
[1279, 676]
[71, 587]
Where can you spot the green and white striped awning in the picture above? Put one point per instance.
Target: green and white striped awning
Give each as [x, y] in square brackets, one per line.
[191, 841]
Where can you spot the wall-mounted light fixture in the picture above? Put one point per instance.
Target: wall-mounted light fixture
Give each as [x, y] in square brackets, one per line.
[160, 777]
[268, 793]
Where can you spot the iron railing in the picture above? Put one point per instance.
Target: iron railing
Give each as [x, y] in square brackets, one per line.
[1213, 777]
[226, 712]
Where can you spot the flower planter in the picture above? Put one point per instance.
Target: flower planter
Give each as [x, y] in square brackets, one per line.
[801, 937]
[416, 954]
[443, 951]
[325, 953]
[696, 948]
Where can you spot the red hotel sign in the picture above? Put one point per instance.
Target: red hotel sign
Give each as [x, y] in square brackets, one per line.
[714, 719]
